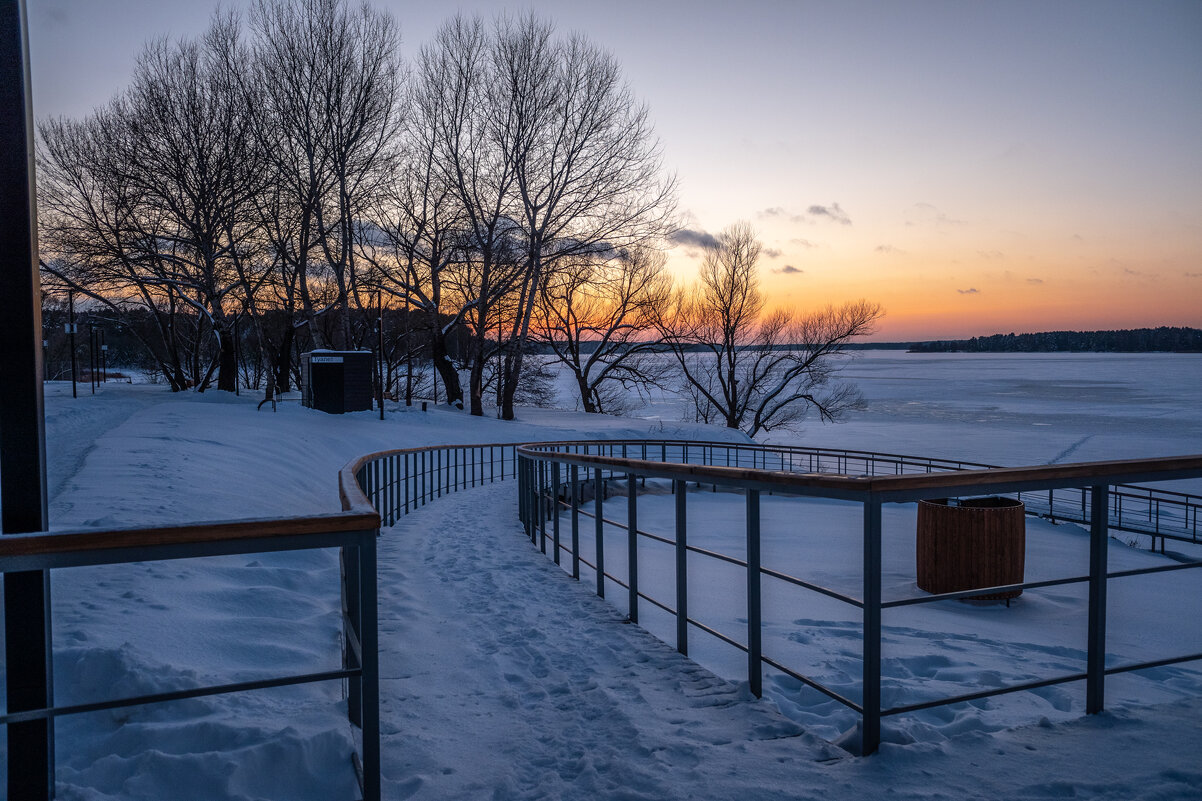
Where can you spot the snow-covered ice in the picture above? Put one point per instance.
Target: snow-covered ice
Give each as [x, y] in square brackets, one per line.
[503, 678]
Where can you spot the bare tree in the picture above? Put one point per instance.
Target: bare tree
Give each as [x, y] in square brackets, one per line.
[176, 161]
[752, 370]
[598, 317]
[462, 107]
[585, 159]
[329, 81]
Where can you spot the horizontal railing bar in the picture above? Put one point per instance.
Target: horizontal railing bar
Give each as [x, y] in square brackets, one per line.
[1172, 660]
[822, 688]
[1014, 688]
[719, 635]
[649, 535]
[952, 596]
[838, 596]
[660, 604]
[178, 695]
[1143, 571]
[715, 555]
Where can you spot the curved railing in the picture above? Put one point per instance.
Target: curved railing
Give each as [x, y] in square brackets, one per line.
[396, 482]
[551, 483]
[1100, 495]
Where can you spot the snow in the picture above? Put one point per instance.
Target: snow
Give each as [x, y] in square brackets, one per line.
[503, 678]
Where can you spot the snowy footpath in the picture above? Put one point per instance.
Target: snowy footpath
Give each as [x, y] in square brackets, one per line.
[505, 679]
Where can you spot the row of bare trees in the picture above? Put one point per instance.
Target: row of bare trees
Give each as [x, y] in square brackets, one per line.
[289, 173]
[291, 164]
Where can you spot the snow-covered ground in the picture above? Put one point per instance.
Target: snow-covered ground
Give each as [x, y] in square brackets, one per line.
[502, 678]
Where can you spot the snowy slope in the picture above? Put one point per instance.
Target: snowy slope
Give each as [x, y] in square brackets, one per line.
[502, 677]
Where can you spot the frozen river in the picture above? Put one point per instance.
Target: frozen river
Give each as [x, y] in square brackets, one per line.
[1010, 409]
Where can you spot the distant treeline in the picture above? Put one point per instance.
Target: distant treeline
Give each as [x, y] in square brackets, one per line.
[1135, 340]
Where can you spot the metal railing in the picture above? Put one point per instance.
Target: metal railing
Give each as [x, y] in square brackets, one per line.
[353, 531]
[396, 482]
[558, 476]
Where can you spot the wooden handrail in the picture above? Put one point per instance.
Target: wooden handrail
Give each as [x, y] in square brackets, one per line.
[1074, 474]
[60, 542]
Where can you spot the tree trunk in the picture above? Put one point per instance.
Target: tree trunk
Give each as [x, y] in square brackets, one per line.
[227, 360]
[586, 395]
[446, 369]
[283, 361]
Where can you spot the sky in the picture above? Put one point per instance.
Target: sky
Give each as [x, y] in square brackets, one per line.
[975, 168]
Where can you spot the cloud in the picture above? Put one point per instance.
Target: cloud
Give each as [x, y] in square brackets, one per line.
[833, 211]
[693, 239]
[773, 253]
[1034, 280]
[971, 291]
[991, 254]
[889, 250]
[803, 243]
[779, 213]
[1193, 275]
[929, 214]
[789, 269]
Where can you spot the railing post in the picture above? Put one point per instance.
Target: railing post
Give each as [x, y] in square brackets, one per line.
[1099, 534]
[542, 506]
[870, 734]
[754, 644]
[521, 497]
[632, 544]
[349, 565]
[388, 477]
[600, 531]
[555, 509]
[575, 477]
[370, 679]
[682, 574]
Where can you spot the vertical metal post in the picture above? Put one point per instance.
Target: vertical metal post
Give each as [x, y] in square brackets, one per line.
[380, 344]
[555, 509]
[521, 499]
[370, 679]
[754, 643]
[29, 676]
[237, 357]
[1095, 661]
[542, 507]
[600, 531]
[682, 572]
[523, 515]
[870, 734]
[575, 478]
[352, 609]
[632, 544]
[92, 358]
[71, 341]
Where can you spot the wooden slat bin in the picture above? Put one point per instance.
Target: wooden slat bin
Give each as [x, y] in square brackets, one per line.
[979, 542]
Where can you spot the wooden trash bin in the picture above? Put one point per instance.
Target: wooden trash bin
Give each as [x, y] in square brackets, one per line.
[979, 542]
